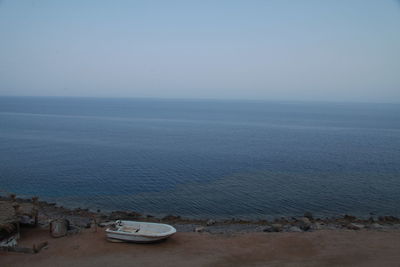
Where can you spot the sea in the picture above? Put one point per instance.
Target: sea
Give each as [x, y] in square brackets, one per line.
[218, 159]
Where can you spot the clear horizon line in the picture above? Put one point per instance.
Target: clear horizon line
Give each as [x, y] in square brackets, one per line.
[210, 99]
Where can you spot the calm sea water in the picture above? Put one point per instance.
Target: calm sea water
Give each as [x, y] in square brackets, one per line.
[217, 159]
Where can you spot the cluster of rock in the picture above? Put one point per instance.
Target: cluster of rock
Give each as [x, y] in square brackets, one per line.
[308, 223]
[84, 218]
[302, 224]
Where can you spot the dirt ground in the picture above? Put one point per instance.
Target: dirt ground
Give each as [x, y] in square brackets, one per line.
[320, 248]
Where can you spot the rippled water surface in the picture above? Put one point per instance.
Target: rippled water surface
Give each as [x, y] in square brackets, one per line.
[203, 158]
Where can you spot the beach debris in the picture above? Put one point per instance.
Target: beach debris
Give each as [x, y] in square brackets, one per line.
[59, 227]
[210, 222]
[9, 224]
[27, 211]
[388, 219]
[9, 242]
[93, 223]
[27, 220]
[33, 250]
[199, 229]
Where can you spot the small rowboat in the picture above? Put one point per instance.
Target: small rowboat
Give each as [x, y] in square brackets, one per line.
[139, 232]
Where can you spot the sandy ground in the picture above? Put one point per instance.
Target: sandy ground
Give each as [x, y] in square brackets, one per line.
[320, 248]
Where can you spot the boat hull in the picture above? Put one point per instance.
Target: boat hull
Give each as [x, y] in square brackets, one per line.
[139, 232]
[116, 237]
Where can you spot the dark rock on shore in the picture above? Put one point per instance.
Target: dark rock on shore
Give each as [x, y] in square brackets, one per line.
[389, 219]
[199, 229]
[315, 227]
[275, 227]
[83, 218]
[210, 222]
[355, 226]
[295, 229]
[304, 224]
[375, 226]
[349, 218]
[268, 229]
[309, 216]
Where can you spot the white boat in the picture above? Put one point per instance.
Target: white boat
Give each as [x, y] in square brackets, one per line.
[140, 232]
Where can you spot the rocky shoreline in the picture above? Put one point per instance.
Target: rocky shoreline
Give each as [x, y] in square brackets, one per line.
[84, 218]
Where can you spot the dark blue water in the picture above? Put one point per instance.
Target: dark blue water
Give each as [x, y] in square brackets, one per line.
[203, 158]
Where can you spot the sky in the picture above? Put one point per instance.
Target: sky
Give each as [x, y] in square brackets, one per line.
[306, 50]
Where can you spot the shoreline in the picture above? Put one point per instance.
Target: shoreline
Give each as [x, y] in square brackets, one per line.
[301, 241]
[84, 218]
[319, 248]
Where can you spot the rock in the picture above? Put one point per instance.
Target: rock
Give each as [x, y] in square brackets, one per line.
[390, 219]
[308, 215]
[277, 227]
[349, 218]
[375, 226]
[304, 220]
[286, 227]
[80, 222]
[273, 228]
[395, 226]
[355, 226]
[315, 226]
[199, 229]
[104, 224]
[304, 224]
[210, 222]
[268, 229]
[281, 220]
[73, 230]
[295, 229]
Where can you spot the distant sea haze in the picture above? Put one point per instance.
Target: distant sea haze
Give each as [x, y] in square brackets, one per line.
[202, 159]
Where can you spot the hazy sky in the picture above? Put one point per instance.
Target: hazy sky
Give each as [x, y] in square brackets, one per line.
[338, 50]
